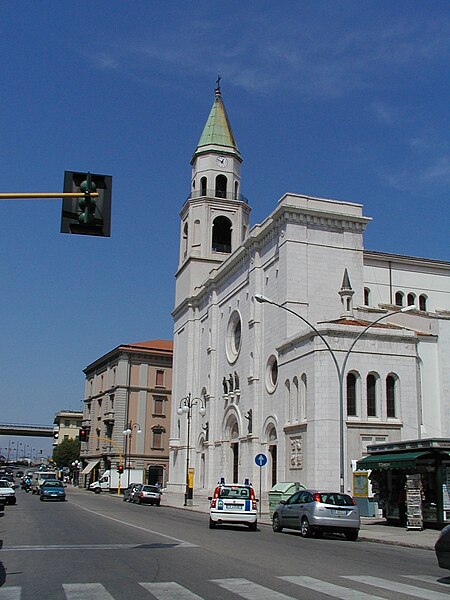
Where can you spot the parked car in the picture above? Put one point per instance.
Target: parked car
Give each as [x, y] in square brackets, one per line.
[52, 489]
[315, 512]
[7, 493]
[146, 494]
[10, 478]
[233, 503]
[128, 491]
[442, 548]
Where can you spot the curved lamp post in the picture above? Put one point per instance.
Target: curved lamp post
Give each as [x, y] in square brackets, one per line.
[339, 368]
[128, 433]
[186, 405]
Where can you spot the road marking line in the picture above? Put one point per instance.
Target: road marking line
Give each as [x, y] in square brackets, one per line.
[431, 579]
[169, 590]
[337, 591]
[182, 543]
[402, 588]
[86, 591]
[10, 593]
[250, 590]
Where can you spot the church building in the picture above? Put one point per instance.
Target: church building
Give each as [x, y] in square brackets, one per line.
[267, 318]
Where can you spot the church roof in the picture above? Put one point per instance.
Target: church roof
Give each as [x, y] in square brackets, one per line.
[217, 131]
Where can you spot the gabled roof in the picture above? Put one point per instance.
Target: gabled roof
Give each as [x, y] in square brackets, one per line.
[152, 344]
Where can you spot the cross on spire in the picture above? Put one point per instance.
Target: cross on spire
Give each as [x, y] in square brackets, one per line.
[218, 84]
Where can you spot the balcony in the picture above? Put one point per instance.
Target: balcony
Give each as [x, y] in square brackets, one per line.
[109, 417]
[216, 194]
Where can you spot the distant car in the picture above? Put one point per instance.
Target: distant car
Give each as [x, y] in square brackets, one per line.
[128, 491]
[442, 548]
[10, 478]
[19, 473]
[314, 512]
[233, 503]
[7, 493]
[146, 494]
[52, 490]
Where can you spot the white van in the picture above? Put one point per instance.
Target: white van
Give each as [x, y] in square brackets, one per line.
[39, 477]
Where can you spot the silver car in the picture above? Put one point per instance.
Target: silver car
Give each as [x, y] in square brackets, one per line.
[146, 494]
[314, 512]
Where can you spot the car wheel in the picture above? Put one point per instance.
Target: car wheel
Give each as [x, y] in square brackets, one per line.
[97, 490]
[139, 501]
[305, 529]
[352, 535]
[253, 526]
[212, 525]
[41, 499]
[158, 503]
[276, 524]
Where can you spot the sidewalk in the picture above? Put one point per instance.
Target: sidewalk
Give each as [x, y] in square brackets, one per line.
[372, 530]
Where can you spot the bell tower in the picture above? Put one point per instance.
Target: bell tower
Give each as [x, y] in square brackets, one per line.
[215, 217]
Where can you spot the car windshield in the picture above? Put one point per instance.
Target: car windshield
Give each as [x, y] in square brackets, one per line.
[150, 488]
[55, 484]
[234, 492]
[5, 484]
[336, 499]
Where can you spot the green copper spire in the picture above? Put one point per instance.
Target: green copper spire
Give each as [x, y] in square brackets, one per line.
[217, 131]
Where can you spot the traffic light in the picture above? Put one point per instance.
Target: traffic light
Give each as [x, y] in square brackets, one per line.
[87, 215]
[84, 435]
[120, 469]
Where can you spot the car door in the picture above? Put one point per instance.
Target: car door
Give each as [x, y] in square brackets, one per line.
[291, 511]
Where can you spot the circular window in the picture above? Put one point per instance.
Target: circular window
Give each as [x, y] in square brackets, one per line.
[233, 341]
[272, 373]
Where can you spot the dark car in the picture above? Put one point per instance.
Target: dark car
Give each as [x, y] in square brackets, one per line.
[128, 491]
[52, 490]
[314, 512]
[146, 494]
[442, 548]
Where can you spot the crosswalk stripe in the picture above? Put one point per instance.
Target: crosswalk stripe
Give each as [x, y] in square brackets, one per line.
[169, 590]
[250, 590]
[86, 591]
[402, 588]
[10, 593]
[430, 579]
[324, 587]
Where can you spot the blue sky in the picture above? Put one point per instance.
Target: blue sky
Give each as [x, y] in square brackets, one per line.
[346, 100]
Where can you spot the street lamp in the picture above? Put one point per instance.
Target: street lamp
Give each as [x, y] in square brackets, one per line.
[127, 433]
[186, 405]
[339, 368]
[76, 472]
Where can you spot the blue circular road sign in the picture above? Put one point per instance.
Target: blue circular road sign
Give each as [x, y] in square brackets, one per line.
[260, 460]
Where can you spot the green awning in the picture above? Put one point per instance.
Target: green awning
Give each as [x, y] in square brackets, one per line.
[400, 460]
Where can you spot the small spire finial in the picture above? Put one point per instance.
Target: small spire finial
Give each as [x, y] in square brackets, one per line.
[217, 90]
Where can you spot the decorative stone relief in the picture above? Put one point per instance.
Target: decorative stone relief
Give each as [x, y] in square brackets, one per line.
[296, 453]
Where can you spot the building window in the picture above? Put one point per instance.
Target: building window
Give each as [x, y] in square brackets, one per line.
[158, 437]
[159, 406]
[160, 378]
[185, 239]
[422, 302]
[221, 235]
[390, 397]
[221, 186]
[399, 296]
[66, 437]
[366, 297]
[351, 395]
[272, 373]
[203, 186]
[67, 423]
[233, 339]
[410, 299]
[371, 384]
[79, 423]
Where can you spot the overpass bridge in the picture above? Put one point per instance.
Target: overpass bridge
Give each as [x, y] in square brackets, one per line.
[26, 430]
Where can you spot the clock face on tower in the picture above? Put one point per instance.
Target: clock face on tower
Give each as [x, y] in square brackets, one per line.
[222, 161]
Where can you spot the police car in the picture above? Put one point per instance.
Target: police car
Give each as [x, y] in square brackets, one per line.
[233, 503]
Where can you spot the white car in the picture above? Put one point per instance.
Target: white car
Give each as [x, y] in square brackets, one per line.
[233, 503]
[7, 493]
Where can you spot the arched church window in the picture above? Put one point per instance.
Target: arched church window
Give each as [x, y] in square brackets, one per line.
[411, 299]
[351, 395]
[399, 298]
[366, 297]
[185, 238]
[236, 190]
[221, 235]
[391, 385]
[203, 186]
[221, 186]
[422, 302]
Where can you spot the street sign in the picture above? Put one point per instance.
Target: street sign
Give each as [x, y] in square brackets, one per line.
[260, 460]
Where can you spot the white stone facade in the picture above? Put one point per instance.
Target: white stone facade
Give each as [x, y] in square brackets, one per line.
[267, 379]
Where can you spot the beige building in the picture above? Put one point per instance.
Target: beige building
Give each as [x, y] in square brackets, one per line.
[67, 425]
[127, 411]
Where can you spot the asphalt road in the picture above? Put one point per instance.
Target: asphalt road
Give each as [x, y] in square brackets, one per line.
[99, 548]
